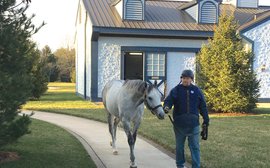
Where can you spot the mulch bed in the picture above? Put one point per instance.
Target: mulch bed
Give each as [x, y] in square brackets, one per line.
[231, 114]
[8, 156]
[98, 103]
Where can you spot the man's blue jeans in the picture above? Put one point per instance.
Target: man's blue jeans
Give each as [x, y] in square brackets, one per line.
[193, 142]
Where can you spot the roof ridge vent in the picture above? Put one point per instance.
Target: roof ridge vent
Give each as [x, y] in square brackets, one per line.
[130, 9]
[134, 9]
[203, 11]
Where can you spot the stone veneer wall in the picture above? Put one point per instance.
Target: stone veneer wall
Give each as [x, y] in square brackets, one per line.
[261, 37]
[109, 53]
[109, 64]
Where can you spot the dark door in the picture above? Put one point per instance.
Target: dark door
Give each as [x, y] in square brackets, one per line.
[133, 66]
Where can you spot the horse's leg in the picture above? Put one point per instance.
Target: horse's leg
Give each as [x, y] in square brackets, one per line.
[136, 127]
[115, 124]
[126, 126]
[110, 123]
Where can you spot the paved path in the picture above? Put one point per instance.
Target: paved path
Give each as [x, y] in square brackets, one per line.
[95, 138]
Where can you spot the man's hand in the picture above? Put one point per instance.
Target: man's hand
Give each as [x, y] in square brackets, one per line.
[204, 132]
[166, 109]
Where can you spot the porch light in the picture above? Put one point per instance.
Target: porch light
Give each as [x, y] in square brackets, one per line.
[263, 67]
[133, 53]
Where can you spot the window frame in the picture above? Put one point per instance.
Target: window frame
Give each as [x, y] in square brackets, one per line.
[153, 77]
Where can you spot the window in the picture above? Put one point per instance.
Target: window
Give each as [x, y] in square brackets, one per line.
[155, 63]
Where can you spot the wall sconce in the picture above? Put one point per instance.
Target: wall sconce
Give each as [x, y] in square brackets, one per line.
[263, 68]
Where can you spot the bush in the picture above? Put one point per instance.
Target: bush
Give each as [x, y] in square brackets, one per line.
[224, 71]
[11, 131]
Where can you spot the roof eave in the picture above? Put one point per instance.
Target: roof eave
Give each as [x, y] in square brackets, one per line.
[155, 33]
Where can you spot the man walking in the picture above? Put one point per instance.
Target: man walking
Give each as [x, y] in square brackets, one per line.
[188, 102]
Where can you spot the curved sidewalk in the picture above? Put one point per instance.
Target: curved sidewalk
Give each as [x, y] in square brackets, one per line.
[95, 138]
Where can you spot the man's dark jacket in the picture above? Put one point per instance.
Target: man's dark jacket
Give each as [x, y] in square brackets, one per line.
[188, 101]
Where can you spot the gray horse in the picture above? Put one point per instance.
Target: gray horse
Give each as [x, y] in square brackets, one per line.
[124, 101]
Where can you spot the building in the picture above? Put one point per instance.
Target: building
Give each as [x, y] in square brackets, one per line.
[156, 40]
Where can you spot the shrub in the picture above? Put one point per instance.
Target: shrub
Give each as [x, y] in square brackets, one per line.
[224, 71]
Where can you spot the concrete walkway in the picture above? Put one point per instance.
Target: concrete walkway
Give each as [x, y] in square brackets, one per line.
[95, 138]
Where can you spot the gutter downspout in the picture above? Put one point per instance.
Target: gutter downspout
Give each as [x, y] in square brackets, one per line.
[85, 76]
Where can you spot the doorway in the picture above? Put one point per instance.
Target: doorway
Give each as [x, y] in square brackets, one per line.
[133, 65]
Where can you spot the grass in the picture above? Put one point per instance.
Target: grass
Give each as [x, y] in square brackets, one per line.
[263, 108]
[48, 146]
[237, 142]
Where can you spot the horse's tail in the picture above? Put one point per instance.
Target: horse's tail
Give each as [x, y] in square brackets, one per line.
[104, 93]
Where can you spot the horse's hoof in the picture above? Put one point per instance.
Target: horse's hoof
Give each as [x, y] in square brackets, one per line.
[115, 152]
[133, 165]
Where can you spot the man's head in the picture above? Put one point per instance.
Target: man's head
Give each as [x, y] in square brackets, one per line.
[187, 77]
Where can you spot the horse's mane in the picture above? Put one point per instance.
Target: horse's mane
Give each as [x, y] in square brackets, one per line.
[137, 85]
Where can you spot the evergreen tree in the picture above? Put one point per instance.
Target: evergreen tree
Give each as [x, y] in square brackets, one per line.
[39, 75]
[50, 61]
[16, 65]
[224, 71]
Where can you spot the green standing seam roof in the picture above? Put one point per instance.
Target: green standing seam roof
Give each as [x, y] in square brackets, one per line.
[166, 15]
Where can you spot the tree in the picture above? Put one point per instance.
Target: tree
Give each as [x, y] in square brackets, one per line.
[16, 65]
[224, 71]
[73, 75]
[50, 62]
[66, 63]
[39, 75]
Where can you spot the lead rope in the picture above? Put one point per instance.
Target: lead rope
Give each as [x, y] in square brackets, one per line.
[175, 128]
[171, 119]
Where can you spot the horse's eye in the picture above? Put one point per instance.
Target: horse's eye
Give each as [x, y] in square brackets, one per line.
[150, 98]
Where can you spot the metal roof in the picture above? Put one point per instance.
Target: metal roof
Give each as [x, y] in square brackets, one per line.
[244, 15]
[188, 5]
[256, 20]
[162, 15]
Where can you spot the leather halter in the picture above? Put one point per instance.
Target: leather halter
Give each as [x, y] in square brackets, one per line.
[152, 109]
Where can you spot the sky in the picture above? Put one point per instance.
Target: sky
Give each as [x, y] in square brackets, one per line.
[59, 16]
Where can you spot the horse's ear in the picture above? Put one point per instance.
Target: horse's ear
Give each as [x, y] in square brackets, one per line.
[155, 83]
[145, 85]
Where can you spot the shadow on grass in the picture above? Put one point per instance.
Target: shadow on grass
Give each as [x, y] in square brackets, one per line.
[261, 111]
[262, 108]
[93, 114]
[65, 96]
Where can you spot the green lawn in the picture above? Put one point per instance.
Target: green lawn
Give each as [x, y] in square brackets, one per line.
[48, 146]
[233, 141]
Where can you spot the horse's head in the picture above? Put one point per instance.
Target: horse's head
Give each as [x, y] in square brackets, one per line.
[152, 100]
